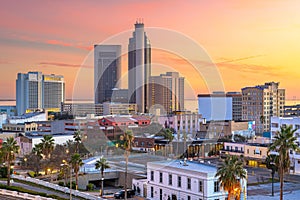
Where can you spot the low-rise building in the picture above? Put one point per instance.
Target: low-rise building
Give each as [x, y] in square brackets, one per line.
[174, 179]
[278, 122]
[180, 122]
[28, 117]
[254, 154]
[26, 143]
[24, 128]
[216, 129]
[143, 144]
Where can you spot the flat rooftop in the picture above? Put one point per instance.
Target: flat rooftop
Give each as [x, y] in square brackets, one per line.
[190, 165]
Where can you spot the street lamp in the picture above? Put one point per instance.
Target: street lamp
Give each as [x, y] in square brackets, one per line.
[69, 166]
[25, 162]
[273, 168]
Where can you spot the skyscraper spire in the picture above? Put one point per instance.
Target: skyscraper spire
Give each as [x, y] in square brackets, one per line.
[139, 67]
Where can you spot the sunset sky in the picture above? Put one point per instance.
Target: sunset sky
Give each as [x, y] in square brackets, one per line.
[249, 42]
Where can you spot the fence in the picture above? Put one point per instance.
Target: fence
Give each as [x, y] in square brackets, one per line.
[56, 187]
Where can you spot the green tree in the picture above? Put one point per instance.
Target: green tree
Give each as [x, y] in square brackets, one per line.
[9, 149]
[35, 157]
[283, 143]
[102, 164]
[47, 145]
[168, 135]
[76, 163]
[229, 174]
[77, 139]
[127, 145]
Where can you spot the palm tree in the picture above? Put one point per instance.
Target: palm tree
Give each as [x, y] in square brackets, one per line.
[229, 174]
[47, 145]
[9, 149]
[283, 143]
[77, 139]
[102, 164]
[127, 145]
[168, 135]
[76, 163]
[37, 156]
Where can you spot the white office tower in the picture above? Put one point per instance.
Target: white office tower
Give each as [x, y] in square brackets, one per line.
[139, 68]
[36, 91]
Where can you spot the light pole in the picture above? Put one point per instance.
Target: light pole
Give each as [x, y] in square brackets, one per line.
[70, 181]
[70, 167]
[102, 185]
[273, 172]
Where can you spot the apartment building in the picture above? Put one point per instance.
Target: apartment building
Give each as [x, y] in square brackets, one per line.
[262, 102]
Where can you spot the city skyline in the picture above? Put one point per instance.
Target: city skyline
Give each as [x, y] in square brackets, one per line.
[250, 42]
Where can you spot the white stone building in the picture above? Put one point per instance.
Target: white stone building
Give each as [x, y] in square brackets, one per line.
[276, 123]
[174, 179]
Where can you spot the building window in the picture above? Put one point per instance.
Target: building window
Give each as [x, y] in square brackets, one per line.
[160, 177]
[170, 179]
[188, 183]
[216, 186]
[188, 197]
[160, 194]
[179, 181]
[152, 192]
[152, 176]
[200, 186]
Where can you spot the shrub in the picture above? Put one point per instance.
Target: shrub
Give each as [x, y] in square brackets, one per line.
[61, 183]
[73, 185]
[90, 187]
[31, 174]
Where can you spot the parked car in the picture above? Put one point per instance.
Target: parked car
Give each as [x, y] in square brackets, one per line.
[121, 194]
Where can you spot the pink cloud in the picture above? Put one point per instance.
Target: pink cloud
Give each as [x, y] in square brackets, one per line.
[58, 64]
[65, 44]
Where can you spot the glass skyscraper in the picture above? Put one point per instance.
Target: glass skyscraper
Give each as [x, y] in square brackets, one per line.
[139, 68]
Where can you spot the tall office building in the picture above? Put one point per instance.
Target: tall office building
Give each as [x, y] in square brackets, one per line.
[219, 106]
[53, 91]
[37, 91]
[262, 102]
[107, 71]
[167, 91]
[139, 68]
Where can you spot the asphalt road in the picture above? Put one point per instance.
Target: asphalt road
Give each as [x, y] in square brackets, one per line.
[256, 173]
